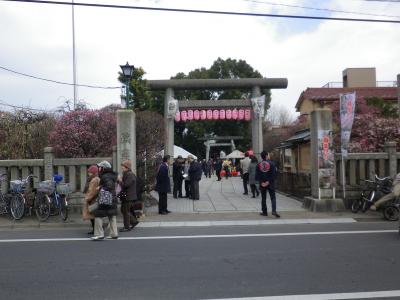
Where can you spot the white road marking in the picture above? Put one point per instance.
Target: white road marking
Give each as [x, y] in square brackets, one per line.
[361, 295]
[207, 236]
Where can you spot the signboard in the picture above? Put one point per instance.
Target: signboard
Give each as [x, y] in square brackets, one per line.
[347, 107]
[326, 160]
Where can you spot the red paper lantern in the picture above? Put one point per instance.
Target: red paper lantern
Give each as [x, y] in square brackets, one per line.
[184, 116]
[222, 114]
[209, 114]
[241, 114]
[190, 114]
[215, 114]
[247, 114]
[203, 114]
[228, 114]
[196, 115]
[177, 116]
[234, 114]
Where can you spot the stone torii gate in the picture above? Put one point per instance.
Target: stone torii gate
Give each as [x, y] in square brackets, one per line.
[253, 84]
[212, 142]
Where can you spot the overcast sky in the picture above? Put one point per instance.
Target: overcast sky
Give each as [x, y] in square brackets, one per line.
[37, 39]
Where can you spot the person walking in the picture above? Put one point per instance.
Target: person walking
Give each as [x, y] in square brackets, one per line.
[252, 176]
[108, 180]
[163, 186]
[265, 174]
[218, 168]
[177, 176]
[195, 172]
[90, 191]
[244, 166]
[128, 183]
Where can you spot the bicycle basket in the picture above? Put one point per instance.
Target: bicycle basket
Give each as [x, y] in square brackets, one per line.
[17, 186]
[64, 188]
[46, 186]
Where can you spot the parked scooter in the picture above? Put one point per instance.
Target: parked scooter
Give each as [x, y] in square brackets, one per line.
[377, 189]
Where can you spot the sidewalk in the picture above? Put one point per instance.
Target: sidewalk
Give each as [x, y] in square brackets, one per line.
[221, 204]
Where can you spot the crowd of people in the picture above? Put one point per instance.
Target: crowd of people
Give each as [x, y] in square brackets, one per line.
[188, 172]
[103, 189]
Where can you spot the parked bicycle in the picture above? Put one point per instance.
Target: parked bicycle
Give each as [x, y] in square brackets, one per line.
[4, 200]
[375, 190]
[59, 198]
[24, 199]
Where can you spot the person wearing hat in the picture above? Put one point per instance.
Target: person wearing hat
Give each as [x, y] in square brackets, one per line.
[177, 176]
[163, 186]
[128, 195]
[108, 180]
[90, 191]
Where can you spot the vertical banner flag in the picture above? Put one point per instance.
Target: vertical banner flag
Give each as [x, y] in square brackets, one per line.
[172, 108]
[347, 108]
[258, 104]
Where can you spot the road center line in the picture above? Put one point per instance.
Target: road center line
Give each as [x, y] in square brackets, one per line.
[206, 236]
[361, 295]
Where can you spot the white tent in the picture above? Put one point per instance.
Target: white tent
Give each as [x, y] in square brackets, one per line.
[235, 154]
[179, 151]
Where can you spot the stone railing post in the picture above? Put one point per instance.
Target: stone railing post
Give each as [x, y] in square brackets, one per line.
[48, 163]
[115, 158]
[390, 149]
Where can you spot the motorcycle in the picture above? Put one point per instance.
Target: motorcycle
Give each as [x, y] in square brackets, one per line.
[377, 188]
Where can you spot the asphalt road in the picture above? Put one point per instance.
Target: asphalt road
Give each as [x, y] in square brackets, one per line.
[202, 263]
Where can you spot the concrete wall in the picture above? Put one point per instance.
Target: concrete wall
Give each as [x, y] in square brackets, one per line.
[359, 77]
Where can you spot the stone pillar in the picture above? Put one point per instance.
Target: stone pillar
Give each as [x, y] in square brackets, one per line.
[390, 149]
[398, 92]
[126, 138]
[207, 144]
[48, 163]
[323, 183]
[169, 125]
[256, 127]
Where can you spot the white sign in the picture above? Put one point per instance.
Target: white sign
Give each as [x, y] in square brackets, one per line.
[258, 104]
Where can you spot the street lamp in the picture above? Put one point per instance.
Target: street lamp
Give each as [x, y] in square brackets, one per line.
[127, 72]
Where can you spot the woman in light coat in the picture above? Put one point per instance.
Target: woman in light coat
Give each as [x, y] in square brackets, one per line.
[91, 190]
[252, 176]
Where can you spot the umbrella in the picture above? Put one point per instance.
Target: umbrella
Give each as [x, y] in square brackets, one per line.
[235, 154]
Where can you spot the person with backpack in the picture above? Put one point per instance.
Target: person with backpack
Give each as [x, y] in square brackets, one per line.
[265, 175]
[107, 203]
[128, 195]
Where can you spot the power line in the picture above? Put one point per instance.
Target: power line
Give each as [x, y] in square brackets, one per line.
[204, 11]
[60, 82]
[3, 103]
[321, 9]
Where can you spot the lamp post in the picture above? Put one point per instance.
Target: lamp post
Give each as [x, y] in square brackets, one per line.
[127, 71]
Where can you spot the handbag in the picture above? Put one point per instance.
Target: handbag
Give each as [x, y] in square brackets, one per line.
[105, 198]
[122, 196]
[93, 207]
[264, 184]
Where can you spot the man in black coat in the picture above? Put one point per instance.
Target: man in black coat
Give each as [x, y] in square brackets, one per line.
[218, 168]
[163, 186]
[128, 195]
[195, 172]
[177, 176]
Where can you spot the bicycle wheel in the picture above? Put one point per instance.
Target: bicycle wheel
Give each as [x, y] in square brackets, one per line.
[42, 206]
[356, 205]
[17, 206]
[63, 207]
[391, 213]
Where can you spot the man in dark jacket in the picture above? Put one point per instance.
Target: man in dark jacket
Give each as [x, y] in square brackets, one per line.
[195, 172]
[108, 179]
[218, 168]
[128, 195]
[177, 176]
[163, 186]
[265, 174]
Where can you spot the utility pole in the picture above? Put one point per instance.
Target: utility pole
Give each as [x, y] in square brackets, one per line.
[74, 55]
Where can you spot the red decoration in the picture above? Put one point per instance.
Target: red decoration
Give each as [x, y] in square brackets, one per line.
[247, 114]
[203, 114]
[228, 114]
[234, 114]
[222, 114]
[215, 114]
[196, 115]
[184, 116]
[241, 114]
[177, 116]
[250, 152]
[190, 114]
[209, 114]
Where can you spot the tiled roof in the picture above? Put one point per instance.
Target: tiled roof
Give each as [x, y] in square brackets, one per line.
[332, 94]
